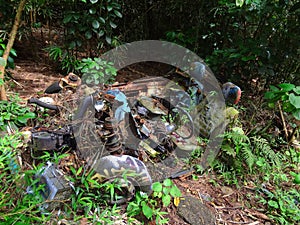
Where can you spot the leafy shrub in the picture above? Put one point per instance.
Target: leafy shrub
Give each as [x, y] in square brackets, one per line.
[149, 205]
[10, 59]
[241, 154]
[13, 113]
[16, 206]
[237, 150]
[180, 38]
[283, 205]
[91, 20]
[89, 199]
[247, 44]
[97, 71]
[165, 191]
[286, 94]
[67, 61]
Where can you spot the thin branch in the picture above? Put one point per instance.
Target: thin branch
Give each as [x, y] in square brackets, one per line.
[9, 45]
[283, 122]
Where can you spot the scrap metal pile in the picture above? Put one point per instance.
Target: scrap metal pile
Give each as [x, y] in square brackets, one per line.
[135, 132]
[133, 129]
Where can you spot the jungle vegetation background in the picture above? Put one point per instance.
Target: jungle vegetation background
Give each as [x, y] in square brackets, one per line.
[253, 43]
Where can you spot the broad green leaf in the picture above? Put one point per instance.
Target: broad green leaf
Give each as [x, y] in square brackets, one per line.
[92, 11]
[108, 39]
[67, 18]
[1, 81]
[260, 163]
[296, 114]
[166, 200]
[167, 182]
[73, 170]
[109, 8]
[166, 190]
[2, 62]
[117, 13]
[102, 20]
[269, 95]
[157, 187]
[13, 52]
[76, 16]
[30, 115]
[175, 191]
[287, 86]
[101, 33]
[297, 179]
[273, 88]
[147, 211]
[113, 25]
[7, 116]
[239, 3]
[93, 1]
[88, 35]
[297, 90]
[22, 119]
[294, 100]
[95, 24]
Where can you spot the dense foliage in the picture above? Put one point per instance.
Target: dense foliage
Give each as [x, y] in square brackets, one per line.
[251, 41]
[257, 39]
[14, 114]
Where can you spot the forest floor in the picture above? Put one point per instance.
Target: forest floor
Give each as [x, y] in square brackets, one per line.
[229, 204]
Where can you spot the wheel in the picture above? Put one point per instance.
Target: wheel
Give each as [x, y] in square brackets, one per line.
[129, 173]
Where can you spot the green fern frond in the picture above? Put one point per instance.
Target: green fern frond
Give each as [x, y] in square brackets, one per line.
[263, 148]
[248, 156]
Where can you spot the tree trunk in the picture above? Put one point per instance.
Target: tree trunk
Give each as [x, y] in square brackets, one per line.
[9, 45]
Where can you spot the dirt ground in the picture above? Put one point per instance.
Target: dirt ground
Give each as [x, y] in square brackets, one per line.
[230, 205]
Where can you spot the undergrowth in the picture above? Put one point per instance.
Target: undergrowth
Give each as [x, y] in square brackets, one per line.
[14, 114]
[267, 163]
[22, 201]
[17, 207]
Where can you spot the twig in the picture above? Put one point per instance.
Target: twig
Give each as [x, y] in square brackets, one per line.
[235, 222]
[292, 134]
[283, 122]
[254, 223]
[257, 214]
[17, 83]
[226, 207]
[199, 194]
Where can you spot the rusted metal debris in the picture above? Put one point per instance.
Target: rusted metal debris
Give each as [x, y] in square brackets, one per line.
[138, 122]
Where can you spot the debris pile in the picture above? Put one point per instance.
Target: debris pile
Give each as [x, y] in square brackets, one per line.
[129, 129]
